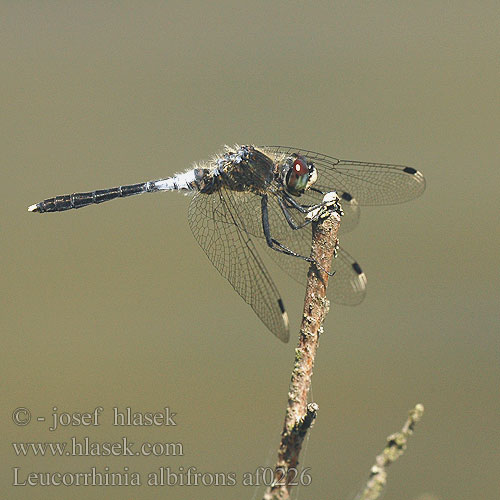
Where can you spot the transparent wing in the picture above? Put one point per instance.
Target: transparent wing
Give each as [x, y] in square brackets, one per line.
[219, 228]
[350, 208]
[347, 286]
[368, 183]
[250, 211]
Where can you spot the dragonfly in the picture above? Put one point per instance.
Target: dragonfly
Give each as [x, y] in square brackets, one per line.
[252, 199]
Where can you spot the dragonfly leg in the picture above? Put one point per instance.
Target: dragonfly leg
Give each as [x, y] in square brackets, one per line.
[304, 209]
[275, 244]
[312, 212]
[289, 218]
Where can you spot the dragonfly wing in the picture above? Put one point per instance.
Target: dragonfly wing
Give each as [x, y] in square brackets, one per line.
[221, 232]
[368, 183]
[347, 286]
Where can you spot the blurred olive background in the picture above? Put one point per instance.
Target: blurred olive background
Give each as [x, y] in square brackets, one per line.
[118, 306]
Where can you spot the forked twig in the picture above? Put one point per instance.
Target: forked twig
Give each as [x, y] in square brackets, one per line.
[395, 447]
[300, 415]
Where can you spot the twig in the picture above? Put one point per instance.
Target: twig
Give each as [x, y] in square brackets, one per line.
[299, 415]
[395, 447]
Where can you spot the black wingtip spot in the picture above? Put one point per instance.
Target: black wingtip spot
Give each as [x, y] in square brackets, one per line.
[410, 170]
[357, 268]
[346, 197]
[282, 307]
[284, 335]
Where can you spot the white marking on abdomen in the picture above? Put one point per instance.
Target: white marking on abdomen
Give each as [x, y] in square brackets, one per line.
[177, 182]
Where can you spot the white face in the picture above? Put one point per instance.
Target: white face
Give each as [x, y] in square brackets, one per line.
[313, 176]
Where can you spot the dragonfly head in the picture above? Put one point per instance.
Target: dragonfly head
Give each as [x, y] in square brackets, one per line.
[297, 174]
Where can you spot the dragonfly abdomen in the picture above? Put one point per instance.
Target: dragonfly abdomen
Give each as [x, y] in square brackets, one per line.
[190, 180]
[79, 200]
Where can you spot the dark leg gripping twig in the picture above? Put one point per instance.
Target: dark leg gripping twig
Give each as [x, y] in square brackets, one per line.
[313, 213]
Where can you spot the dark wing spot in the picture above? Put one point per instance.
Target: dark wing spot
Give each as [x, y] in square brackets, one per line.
[410, 170]
[357, 268]
[282, 307]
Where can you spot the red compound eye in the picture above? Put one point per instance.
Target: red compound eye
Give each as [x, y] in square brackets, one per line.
[297, 177]
[300, 167]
